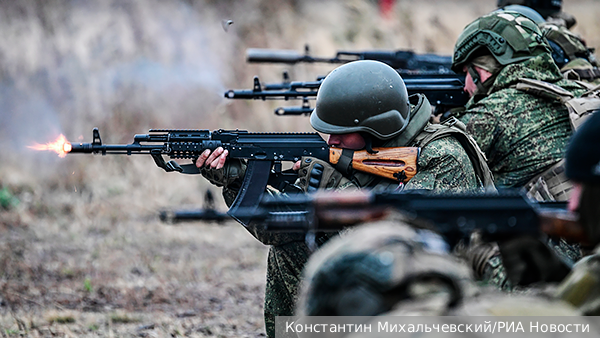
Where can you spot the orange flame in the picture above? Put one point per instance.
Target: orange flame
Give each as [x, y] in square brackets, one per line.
[61, 146]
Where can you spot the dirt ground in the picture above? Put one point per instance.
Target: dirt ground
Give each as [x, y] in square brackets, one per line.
[82, 251]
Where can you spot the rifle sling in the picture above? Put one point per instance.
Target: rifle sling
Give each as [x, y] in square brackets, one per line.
[344, 165]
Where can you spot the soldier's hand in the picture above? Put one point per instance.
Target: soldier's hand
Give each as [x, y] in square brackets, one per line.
[219, 170]
[213, 160]
[316, 174]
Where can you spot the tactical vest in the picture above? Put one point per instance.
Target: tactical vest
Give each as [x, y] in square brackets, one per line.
[453, 127]
[575, 60]
[552, 184]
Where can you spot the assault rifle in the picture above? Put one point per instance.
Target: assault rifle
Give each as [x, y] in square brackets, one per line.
[400, 59]
[442, 90]
[498, 217]
[264, 152]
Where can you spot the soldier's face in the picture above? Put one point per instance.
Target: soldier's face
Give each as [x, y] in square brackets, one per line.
[575, 197]
[352, 141]
[470, 86]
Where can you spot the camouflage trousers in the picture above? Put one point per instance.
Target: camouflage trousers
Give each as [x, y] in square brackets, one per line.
[284, 273]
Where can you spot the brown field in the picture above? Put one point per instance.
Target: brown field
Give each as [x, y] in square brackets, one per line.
[82, 252]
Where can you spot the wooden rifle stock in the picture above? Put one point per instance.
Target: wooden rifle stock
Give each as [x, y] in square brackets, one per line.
[564, 224]
[398, 163]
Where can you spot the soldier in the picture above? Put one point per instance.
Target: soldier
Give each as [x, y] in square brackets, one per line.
[362, 104]
[523, 132]
[548, 9]
[569, 51]
[391, 268]
[581, 288]
[516, 116]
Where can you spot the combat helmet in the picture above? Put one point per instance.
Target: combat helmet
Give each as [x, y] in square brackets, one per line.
[509, 37]
[529, 12]
[362, 96]
[544, 7]
[371, 269]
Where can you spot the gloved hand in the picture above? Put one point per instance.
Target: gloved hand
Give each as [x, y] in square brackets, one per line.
[528, 260]
[477, 253]
[316, 174]
[230, 175]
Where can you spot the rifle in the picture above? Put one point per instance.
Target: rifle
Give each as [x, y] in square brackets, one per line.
[498, 217]
[264, 152]
[400, 59]
[442, 90]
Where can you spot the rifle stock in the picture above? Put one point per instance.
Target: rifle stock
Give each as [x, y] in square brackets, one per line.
[390, 163]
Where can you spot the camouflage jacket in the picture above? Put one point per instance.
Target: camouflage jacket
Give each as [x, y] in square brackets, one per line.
[522, 135]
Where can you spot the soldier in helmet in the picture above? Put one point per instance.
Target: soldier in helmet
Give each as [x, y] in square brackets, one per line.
[361, 105]
[582, 287]
[515, 116]
[389, 267]
[523, 132]
[569, 51]
[548, 9]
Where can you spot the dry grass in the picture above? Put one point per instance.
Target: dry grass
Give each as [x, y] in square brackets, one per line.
[82, 252]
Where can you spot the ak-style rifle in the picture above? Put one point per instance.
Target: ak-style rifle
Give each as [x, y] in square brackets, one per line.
[399, 59]
[498, 217]
[264, 153]
[443, 90]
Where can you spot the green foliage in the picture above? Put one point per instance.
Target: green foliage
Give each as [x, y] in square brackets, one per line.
[122, 318]
[7, 199]
[87, 285]
[62, 320]
[93, 327]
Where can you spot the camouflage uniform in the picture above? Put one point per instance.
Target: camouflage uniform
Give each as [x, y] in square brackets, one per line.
[441, 168]
[443, 164]
[521, 134]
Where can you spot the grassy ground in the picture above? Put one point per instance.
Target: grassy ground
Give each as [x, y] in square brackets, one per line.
[82, 252]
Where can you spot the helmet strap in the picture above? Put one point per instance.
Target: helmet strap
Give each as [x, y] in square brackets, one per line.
[369, 143]
[482, 87]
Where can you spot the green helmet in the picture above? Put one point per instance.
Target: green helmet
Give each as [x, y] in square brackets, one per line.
[544, 7]
[362, 96]
[527, 11]
[373, 268]
[509, 37]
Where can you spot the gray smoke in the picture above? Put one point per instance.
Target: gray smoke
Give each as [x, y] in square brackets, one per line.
[67, 66]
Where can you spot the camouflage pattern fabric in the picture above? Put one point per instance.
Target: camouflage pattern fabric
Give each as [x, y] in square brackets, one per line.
[441, 168]
[581, 287]
[522, 135]
[368, 269]
[494, 272]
